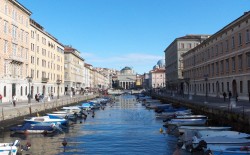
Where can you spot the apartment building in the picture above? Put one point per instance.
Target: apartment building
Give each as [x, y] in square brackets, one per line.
[74, 71]
[174, 60]
[46, 62]
[14, 50]
[222, 62]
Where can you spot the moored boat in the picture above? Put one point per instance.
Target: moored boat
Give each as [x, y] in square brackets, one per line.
[34, 128]
[9, 148]
[46, 119]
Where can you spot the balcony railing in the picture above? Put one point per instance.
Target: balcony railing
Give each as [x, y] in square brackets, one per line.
[16, 58]
[45, 80]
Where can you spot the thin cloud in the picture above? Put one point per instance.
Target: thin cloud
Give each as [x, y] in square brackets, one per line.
[140, 62]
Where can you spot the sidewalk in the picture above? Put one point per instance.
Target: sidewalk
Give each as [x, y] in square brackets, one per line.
[242, 106]
[9, 105]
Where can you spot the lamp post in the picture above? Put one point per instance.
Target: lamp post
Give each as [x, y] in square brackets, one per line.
[206, 79]
[29, 81]
[58, 82]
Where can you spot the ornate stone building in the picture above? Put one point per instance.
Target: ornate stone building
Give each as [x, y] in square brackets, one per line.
[157, 76]
[14, 49]
[126, 78]
[222, 62]
[174, 60]
[74, 71]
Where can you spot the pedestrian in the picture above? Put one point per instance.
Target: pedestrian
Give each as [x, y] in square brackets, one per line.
[14, 100]
[224, 95]
[36, 97]
[229, 95]
[1, 97]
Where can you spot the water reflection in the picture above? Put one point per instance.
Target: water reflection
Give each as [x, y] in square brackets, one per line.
[124, 127]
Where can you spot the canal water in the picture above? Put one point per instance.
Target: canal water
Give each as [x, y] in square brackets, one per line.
[122, 128]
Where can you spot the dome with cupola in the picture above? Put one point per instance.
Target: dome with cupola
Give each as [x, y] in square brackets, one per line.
[161, 63]
[127, 70]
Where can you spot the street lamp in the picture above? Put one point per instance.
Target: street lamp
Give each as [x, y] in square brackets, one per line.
[206, 79]
[29, 81]
[58, 82]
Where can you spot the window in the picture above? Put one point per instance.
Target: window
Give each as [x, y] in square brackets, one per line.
[5, 48]
[5, 68]
[227, 65]
[6, 9]
[217, 68]
[247, 36]
[14, 31]
[248, 60]
[37, 37]
[241, 86]
[222, 66]
[182, 45]
[221, 47]
[5, 27]
[240, 62]
[32, 34]
[222, 86]
[240, 39]
[14, 49]
[37, 49]
[217, 50]
[233, 45]
[26, 90]
[37, 74]
[233, 63]
[37, 61]
[21, 91]
[226, 45]
[32, 47]
[4, 91]
[213, 69]
[32, 73]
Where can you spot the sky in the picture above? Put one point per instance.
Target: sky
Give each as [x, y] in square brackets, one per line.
[134, 33]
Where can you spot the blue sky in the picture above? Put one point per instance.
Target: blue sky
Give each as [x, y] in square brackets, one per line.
[134, 33]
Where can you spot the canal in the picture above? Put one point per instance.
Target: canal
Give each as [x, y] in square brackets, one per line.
[123, 128]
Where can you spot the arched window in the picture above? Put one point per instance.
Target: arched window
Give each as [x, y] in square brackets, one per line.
[26, 91]
[21, 90]
[4, 91]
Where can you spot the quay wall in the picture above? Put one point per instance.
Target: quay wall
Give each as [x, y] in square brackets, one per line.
[15, 115]
[238, 120]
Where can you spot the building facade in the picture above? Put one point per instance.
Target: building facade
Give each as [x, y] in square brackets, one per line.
[174, 60]
[157, 76]
[14, 50]
[74, 71]
[222, 62]
[126, 78]
[46, 62]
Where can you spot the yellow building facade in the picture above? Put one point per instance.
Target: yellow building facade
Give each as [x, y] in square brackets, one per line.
[46, 62]
[14, 50]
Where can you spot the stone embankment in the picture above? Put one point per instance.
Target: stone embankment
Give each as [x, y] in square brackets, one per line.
[219, 112]
[10, 115]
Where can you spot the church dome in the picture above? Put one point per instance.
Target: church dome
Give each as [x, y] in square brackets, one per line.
[161, 63]
[127, 70]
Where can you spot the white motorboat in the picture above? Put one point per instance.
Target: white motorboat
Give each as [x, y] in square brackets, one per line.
[180, 122]
[199, 128]
[9, 148]
[46, 119]
[229, 150]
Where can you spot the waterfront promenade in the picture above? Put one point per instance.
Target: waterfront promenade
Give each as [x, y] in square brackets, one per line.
[10, 113]
[240, 107]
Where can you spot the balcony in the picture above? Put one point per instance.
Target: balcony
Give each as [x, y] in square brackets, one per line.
[45, 80]
[16, 59]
